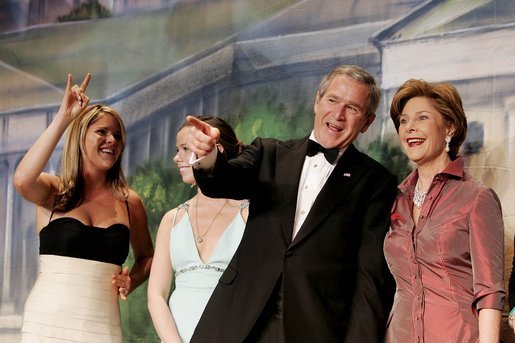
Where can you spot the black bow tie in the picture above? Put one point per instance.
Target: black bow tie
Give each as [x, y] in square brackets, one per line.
[314, 148]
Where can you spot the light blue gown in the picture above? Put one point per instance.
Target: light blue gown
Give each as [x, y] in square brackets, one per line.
[194, 279]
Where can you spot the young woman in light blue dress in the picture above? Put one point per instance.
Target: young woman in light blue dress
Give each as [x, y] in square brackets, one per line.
[194, 245]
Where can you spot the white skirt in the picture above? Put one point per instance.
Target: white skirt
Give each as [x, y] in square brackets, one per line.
[73, 300]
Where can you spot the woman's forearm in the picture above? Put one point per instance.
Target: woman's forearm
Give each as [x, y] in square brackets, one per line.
[489, 325]
[140, 271]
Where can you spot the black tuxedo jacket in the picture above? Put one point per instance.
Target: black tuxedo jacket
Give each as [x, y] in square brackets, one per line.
[336, 285]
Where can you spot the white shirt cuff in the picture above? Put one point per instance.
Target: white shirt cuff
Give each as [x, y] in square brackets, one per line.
[205, 162]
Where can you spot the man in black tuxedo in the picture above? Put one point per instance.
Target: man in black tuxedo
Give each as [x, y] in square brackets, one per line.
[310, 266]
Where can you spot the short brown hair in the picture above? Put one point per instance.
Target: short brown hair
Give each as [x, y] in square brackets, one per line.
[444, 97]
[358, 74]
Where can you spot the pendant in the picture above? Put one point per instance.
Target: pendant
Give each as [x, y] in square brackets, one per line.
[200, 240]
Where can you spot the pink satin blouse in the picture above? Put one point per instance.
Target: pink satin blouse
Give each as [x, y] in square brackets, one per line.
[448, 267]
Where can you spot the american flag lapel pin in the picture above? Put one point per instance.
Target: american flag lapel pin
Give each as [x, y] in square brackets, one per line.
[346, 174]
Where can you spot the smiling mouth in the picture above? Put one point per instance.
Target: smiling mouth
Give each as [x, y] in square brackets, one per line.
[333, 127]
[107, 151]
[412, 142]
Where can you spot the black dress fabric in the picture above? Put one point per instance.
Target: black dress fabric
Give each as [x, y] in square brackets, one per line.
[69, 237]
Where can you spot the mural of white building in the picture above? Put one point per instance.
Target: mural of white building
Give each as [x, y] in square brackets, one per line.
[469, 43]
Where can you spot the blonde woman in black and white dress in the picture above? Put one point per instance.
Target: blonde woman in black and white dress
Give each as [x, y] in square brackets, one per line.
[85, 217]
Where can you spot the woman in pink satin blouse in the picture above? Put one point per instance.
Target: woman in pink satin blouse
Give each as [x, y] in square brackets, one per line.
[445, 245]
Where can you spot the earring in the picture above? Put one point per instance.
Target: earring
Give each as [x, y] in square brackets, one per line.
[447, 141]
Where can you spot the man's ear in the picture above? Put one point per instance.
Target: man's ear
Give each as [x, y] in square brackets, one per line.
[317, 98]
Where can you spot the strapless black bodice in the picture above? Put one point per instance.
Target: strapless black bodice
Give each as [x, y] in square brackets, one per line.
[69, 237]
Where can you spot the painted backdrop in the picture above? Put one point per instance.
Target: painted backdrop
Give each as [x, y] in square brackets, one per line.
[255, 63]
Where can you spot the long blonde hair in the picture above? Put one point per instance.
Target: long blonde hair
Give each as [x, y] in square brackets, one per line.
[71, 187]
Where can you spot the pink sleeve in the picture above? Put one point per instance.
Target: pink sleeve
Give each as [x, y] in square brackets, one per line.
[487, 251]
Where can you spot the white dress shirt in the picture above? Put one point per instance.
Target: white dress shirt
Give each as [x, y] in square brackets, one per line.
[315, 172]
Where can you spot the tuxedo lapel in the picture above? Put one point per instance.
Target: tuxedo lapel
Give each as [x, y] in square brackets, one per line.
[290, 160]
[343, 178]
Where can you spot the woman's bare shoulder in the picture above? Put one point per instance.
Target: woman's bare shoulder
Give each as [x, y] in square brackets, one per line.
[133, 198]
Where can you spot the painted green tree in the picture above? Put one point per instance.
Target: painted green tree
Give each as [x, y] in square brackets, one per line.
[86, 11]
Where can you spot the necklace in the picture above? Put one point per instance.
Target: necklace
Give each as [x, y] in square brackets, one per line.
[418, 196]
[200, 238]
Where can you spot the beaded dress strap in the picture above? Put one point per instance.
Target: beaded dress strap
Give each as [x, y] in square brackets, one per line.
[182, 206]
[244, 204]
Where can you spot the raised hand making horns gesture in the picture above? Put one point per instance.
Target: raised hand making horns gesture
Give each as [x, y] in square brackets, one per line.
[75, 99]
